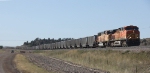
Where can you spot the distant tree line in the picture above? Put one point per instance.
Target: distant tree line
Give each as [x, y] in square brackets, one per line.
[145, 41]
[39, 41]
[1, 47]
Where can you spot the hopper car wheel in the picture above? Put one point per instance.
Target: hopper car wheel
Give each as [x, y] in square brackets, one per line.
[112, 44]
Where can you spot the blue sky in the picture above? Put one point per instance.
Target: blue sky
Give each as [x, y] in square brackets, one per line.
[25, 20]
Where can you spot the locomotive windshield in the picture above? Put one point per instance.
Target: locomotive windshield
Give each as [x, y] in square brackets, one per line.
[131, 28]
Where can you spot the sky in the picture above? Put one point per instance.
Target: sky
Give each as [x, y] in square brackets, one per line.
[25, 20]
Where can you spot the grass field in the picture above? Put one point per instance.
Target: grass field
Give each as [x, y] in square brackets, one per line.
[26, 67]
[113, 61]
[1, 50]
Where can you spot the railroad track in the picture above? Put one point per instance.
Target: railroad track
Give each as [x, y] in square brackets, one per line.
[131, 48]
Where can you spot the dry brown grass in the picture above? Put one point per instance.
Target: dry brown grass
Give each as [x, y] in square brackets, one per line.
[113, 61]
[25, 66]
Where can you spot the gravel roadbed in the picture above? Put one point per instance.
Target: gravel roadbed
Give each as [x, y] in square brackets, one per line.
[59, 66]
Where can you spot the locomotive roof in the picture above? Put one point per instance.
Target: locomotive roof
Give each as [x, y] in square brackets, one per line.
[113, 30]
[129, 25]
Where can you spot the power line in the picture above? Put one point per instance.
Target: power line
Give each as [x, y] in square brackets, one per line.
[13, 40]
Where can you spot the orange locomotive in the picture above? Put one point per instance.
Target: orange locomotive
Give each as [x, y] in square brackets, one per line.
[124, 36]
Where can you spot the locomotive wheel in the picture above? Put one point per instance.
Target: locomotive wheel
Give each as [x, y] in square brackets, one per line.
[124, 44]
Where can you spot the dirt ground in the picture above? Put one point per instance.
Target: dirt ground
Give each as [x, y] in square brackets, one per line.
[7, 65]
[6, 62]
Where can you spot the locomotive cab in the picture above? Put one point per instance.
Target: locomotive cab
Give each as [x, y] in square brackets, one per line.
[132, 35]
[132, 32]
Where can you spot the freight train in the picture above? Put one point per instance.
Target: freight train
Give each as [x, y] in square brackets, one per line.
[124, 37]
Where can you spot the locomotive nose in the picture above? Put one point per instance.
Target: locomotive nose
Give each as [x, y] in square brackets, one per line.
[132, 34]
